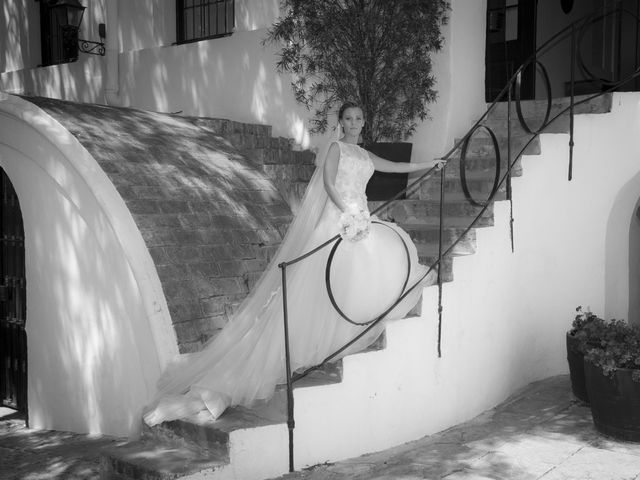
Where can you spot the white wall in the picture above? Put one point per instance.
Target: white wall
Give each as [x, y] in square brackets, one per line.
[571, 243]
[152, 23]
[20, 56]
[231, 77]
[459, 73]
[634, 264]
[19, 37]
[234, 77]
[505, 315]
[571, 248]
[97, 322]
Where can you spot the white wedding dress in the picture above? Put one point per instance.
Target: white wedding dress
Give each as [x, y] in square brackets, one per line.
[245, 362]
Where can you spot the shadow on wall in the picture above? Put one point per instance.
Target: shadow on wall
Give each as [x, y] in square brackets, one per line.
[19, 50]
[210, 218]
[157, 29]
[78, 81]
[90, 351]
[231, 77]
[20, 70]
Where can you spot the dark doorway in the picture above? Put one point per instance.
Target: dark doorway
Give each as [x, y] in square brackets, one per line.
[13, 341]
[511, 39]
[612, 52]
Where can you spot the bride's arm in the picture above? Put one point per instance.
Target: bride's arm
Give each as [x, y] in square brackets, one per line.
[329, 174]
[383, 165]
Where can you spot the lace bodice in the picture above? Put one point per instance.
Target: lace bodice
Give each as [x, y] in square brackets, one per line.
[354, 171]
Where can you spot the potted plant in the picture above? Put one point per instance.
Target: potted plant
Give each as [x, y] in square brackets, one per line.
[612, 375]
[376, 53]
[586, 330]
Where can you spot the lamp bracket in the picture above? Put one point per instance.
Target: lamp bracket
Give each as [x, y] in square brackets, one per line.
[88, 46]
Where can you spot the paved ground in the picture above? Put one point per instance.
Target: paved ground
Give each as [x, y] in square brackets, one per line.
[45, 455]
[539, 433]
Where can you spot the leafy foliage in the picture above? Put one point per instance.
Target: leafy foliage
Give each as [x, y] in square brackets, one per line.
[610, 345]
[373, 52]
[587, 329]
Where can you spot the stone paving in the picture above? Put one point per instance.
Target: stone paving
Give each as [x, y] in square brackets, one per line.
[27, 454]
[539, 433]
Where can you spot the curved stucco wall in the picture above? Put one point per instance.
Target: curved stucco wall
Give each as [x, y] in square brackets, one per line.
[98, 329]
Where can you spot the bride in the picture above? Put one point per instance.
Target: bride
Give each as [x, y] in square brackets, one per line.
[368, 270]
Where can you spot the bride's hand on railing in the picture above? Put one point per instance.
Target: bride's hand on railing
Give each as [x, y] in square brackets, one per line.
[436, 163]
[439, 163]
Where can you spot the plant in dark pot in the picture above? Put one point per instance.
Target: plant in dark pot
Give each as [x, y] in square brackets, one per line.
[612, 375]
[375, 53]
[586, 330]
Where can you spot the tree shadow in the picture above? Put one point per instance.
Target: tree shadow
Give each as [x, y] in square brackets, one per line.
[27, 454]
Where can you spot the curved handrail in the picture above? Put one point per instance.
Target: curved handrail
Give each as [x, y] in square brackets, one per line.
[576, 32]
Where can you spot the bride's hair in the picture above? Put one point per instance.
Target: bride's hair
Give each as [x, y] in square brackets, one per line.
[344, 107]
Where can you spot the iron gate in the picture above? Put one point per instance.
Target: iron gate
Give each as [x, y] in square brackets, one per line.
[13, 341]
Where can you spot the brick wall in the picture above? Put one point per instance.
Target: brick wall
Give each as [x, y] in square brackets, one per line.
[205, 194]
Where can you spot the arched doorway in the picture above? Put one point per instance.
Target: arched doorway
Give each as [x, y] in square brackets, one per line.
[13, 343]
[634, 266]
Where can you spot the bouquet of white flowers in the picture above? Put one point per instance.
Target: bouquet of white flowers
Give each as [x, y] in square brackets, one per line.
[354, 223]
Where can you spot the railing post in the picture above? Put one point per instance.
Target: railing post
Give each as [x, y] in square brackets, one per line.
[572, 100]
[509, 196]
[290, 420]
[440, 235]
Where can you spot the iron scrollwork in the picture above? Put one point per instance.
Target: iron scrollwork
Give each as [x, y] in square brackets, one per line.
[94, 48]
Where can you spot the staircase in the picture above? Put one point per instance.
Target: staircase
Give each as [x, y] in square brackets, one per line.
[289, 168]
[361, 403]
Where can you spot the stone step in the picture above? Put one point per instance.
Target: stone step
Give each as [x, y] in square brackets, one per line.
[464, 247]
[479, 189]
[266, 156]
[226, 127]
[199, 444]
[482, 146]
[558, 125]
[426, 239]
[153, 460]
[427, 212]
[290, 172]
[481, 166]
[534, 112]
[208, 434]
[532, 109]
[243, 141]
[446, 269]
[430, 234]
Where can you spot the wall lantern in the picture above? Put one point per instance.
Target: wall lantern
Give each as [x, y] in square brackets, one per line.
[68, 14]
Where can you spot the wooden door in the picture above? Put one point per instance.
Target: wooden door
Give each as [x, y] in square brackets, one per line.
[13, 341]
[511, 39]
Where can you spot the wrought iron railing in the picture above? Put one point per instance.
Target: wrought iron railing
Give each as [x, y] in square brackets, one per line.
[575, 34]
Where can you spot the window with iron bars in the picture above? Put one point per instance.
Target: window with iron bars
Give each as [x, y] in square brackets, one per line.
[203, 19]
[57, 45]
